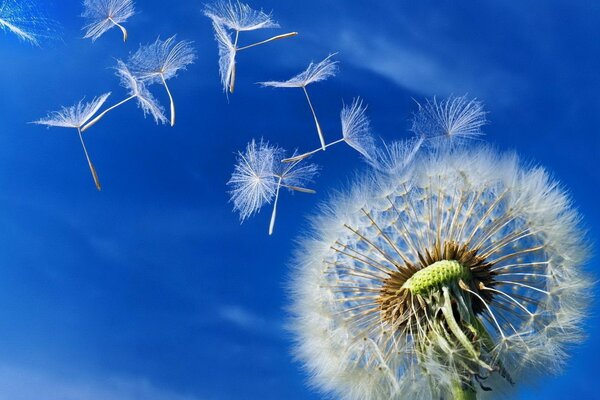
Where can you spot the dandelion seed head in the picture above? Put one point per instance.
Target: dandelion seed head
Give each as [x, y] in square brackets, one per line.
[103, 15]
[161, 60]
[253, 183]
[314, 73]
[227, 54]
[356, 128]
[238, 16]
[146, 101]
[453, 120]
[74, 116]
[465, 267]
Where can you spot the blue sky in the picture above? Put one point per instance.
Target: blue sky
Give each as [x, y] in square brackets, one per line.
[151, 289]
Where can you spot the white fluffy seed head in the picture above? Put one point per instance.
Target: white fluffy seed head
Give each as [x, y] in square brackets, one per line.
[356, 128]
[449, 121]
[238, 16]
[103, 15]
[253, 183]
[313, 73]
[521, 307]
[227, 53]
[146, 101]
[161, 60]
[74, 116]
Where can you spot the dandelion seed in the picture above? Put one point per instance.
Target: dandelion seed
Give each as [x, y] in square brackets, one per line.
[314, 73]
[356, 132]
[75, 117]
[160, 61]
[458, 275]
[259, 176]
[137, 90]
[24, 19]
[238, 17]
[106, 14]
[395, 157]
[455, 119]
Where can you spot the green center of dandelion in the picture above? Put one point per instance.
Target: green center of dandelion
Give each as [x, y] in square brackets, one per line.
[435, 276]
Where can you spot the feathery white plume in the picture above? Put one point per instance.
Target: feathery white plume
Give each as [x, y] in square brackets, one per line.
[452, 120]
[356, 132]
[356, 128]
[227, 53]
[106, 14]
[238, 17]
[253, 183]
[160, 61]
[24, 19]
[75, 117]
[314, 73]
[393, 158]
[137, 90]
[259, 176]
[458, 275]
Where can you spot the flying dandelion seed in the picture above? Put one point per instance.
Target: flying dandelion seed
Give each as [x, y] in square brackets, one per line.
[137, 90]
[160, 61]
[24, 19]
[452, 279]
[75, 117]
[238, 17]
[356, 132]
[453, 120]
[314, 73]
[106, 14]
[259, 175]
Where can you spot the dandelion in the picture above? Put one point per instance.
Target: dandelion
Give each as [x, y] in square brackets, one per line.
[24, 19]
[452, 120]
[160, 61]
[455, 277]
[259, 176]
[137, 90]
[314, 73]
[238, 17]
[75, 117]
[356, 132]
[106, 14]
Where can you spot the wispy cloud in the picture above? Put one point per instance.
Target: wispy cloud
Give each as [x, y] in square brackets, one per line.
[26, 384]
[427, 72]
[246, 319]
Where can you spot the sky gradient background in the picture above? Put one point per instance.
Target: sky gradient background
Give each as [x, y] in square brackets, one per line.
[151, 289]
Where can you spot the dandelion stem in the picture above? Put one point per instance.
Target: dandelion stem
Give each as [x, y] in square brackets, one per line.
[92, 169]
[121, 27]
[310, 153]
[274, 213]
[285, 35]
[102, 114]
[457, 331]
[233, 72]
[170, 99]
[319, 131]
[299, 189]
[462, 392]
